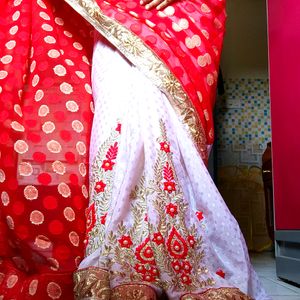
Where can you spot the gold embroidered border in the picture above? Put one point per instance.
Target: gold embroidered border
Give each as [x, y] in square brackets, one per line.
[93, 283]
[149, 63]
[218, 294]
[133, 292]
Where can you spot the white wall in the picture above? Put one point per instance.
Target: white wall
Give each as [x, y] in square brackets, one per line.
[245, 48]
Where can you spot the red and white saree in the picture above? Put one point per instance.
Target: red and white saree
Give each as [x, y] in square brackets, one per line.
[150, 222]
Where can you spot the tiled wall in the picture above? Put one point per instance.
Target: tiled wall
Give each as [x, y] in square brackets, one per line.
[243, 125]
[243, 130]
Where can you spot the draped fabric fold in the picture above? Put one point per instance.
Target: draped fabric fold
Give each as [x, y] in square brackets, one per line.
[156, 225]
[45, 121]
[178, 49]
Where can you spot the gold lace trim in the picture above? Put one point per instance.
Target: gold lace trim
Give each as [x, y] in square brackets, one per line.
[218, 294]
[133, 292]
[93, 283]
[149, 63]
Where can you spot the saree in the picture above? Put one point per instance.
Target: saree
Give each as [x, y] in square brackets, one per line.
[127, 209]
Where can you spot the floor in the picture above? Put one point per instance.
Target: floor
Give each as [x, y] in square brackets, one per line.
[264, 264]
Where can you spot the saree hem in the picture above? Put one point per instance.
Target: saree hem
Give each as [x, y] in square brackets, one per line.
[93, 283]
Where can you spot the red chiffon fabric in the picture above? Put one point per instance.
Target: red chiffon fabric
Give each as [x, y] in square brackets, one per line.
[45, 120]
[188, 37]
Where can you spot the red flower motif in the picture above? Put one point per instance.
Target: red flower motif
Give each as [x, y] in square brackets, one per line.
[119, 126]
[148, 277]
[90, 218]
[164, 146]
[158, 238]
[140, 269]
[185, 279]
[199, 215]
[154, 271]
[100, 186]
[107, 165]
[176, 245]
[186, 266]
[176, 265]
[191, 241]
[144, 253]
[148, 253]
[169, 186]
[221, 273]
[103, 219]
[146, 218]
[125, 241]
[172, 209]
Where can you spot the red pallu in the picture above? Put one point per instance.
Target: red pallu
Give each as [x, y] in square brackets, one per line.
[46, 115]
[178, 48]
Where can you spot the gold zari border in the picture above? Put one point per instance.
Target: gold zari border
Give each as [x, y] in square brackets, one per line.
[149, 63]
[218, 294]
[93, 283]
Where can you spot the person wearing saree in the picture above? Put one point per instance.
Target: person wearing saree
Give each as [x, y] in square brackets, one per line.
[149, 223]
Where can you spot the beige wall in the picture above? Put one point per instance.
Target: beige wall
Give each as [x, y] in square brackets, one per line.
[245, 46]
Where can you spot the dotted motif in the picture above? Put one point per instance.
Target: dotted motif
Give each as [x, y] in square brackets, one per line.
[45, 118]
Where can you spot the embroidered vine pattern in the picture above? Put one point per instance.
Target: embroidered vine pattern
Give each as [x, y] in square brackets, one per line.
[183, 245]
[141, 251]
[101, 190]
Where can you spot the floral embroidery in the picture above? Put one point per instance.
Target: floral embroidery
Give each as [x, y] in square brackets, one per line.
[100, 186]
[221, 273]
[199, 215]
[107, 165]
[119, 126]
[187, 267]
[186, 279]
[146, 247]
[176, 245]
[172, 209]
[125, 241]
[164, 146]
[144, 253]
[140, 268]
[191, 241]
[169, 185]
[90, 217]
[158, 238]
[103, 219]
[176, 265]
